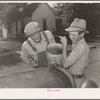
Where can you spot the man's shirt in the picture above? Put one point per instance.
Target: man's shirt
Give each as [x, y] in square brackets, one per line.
[41, 46]
[79, 57]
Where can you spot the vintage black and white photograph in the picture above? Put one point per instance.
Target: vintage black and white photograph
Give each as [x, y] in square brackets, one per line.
[49, 45]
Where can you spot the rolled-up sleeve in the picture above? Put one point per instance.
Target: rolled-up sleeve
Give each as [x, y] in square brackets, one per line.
[24, 55]
[50, 37]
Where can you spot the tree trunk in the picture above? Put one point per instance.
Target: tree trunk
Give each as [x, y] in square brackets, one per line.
[22, 27]
[9, 30]
[17, 33]
[5, 31]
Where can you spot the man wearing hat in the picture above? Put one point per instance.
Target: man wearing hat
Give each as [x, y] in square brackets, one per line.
[33, 49]
[78, 59]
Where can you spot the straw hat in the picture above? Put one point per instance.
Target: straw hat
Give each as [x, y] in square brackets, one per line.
[77, 25]
[32, 28]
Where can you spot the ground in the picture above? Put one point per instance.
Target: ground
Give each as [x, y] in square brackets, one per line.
[10, 62]
[93, 70]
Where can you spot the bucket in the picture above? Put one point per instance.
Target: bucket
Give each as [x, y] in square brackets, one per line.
[54, 54]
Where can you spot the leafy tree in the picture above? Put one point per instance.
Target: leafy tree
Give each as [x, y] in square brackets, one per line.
[65, 11]
[87, 11]
[68, 11]
[11, 12]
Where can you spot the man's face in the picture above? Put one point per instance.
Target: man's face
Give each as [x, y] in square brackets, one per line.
[36, 37]
[75, 37]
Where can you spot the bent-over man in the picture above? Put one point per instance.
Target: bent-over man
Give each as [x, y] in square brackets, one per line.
[34, 48]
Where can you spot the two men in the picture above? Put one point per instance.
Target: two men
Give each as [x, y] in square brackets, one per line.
[78, 59]
[33, 49]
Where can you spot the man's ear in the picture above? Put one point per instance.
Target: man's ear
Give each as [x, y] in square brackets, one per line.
[82, 34]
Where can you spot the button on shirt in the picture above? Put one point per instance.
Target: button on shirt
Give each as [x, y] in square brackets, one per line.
[41, 46]
[79, 57]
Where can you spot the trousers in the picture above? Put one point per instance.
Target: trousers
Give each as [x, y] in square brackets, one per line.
[79, 82]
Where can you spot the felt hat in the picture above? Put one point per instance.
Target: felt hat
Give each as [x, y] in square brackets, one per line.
[77, 25]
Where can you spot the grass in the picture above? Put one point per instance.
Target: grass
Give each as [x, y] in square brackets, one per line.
[10, 59]
[5, 50]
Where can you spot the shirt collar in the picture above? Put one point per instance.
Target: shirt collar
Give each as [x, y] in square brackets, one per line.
[80, 41]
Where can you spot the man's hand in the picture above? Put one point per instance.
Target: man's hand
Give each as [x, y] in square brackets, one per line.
[63, 40]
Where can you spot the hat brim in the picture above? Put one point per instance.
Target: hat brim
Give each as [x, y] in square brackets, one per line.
[31, 34]
[75, 29]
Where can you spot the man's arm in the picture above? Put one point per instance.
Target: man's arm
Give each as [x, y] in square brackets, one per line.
[65, 61]
[29, 58]
[74, 55]
[50, 37]
[24, 55]
[64, 43]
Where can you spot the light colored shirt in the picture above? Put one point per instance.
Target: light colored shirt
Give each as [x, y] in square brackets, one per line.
[41, 46]
[79, 57]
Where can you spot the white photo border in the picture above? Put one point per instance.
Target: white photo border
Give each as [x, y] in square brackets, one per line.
[53, 93]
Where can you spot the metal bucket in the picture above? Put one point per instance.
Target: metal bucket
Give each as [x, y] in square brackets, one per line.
[54, 54]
